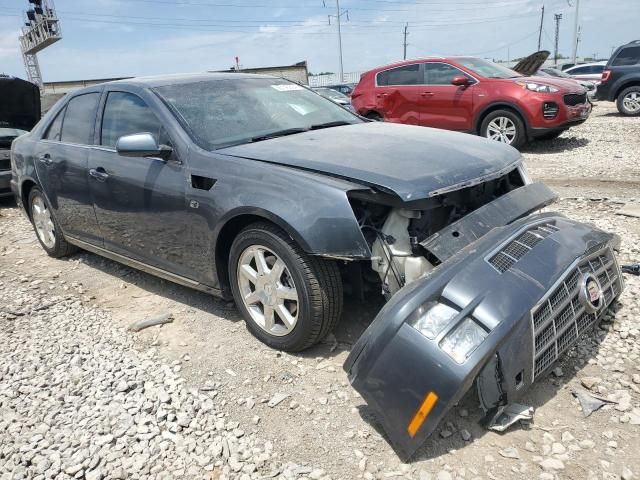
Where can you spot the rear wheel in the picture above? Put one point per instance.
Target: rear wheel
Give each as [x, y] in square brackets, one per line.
[289, 300]
[46, 227]
[629, 101]
[504, 126]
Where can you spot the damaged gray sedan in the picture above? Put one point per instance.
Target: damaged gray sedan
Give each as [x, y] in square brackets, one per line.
[257, 189]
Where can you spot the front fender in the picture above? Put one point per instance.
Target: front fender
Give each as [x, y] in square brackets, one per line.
[411, 382]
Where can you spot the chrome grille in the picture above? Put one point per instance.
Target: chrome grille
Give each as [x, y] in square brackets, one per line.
[560, 318]
[520, 246]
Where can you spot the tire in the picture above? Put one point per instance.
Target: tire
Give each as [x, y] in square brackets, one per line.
[375, 116]
[550, 135]
[500, 123]
[315, 282]
[46, 227]
[628, 101]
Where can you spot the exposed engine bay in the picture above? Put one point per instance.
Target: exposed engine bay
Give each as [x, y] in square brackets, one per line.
[397, 231]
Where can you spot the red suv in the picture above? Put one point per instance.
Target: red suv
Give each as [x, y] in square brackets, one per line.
[472, 95]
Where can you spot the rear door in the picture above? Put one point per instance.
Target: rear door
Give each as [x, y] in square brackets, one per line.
[398, 93]
[139, 202]
[61, 164]
[445, 105]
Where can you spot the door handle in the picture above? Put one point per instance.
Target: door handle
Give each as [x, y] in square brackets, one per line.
[46, 159]
[427, 94]
[99, 174]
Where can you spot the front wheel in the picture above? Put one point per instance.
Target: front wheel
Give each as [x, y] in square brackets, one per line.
[289, 300]
[629, 101]
[504, 126]
[46, 227]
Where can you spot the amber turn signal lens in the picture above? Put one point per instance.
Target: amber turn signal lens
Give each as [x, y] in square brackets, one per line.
[422, 414]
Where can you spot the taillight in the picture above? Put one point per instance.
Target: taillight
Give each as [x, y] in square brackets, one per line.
[605, 75]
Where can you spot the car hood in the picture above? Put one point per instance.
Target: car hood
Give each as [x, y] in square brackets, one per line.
[531, 64]
[19, 103]
[563, 84]
[412, 162]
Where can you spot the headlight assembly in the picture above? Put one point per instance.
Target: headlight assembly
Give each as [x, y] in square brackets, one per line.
[463, 340]
[538, 87]
[432, 318]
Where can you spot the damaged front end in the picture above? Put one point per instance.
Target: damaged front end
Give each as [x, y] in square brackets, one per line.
[507, 292]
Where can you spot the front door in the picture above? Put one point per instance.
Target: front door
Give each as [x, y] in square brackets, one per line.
[61, 165]
[446, 106]
[139, 202]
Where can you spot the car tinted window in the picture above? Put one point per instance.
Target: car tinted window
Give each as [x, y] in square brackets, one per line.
[126, 114]
[597, 68]
[405, 75]
[437, 73]
[79, 119]
[627, 56]
[55, 128]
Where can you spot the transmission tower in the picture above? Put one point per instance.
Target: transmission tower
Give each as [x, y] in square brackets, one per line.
[41, 29]
[558, 17]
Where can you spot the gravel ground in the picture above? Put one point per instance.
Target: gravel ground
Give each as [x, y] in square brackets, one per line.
[82, 397]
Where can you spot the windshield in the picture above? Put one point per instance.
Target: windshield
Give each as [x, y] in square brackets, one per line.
[556, 73]
[220, 113]
[487, 69]
[330, 93]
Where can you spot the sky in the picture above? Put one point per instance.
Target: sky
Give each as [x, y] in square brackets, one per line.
[114, 38]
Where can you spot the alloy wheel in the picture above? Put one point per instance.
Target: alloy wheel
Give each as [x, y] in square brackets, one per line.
[501, 129]
[631, 102]
[268, 291]
[43, 222]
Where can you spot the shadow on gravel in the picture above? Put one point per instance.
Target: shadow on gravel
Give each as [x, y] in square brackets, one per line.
[468, 415]
[557, 145]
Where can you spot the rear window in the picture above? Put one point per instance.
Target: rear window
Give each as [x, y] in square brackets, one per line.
[79, 119]
[405, 75]
[627, 56]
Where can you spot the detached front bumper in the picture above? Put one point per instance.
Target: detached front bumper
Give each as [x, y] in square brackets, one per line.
[531, 286]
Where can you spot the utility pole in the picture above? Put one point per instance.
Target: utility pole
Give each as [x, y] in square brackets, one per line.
[575, 33]
[338, 17]
[558, 17]
[406, 27]
[540, 32]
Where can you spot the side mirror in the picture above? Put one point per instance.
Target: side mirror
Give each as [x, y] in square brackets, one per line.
[461, 81]
[142, 145]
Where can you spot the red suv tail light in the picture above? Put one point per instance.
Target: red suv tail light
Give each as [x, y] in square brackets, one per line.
[605, 75]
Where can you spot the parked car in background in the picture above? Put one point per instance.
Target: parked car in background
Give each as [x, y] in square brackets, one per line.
[472, 95]
[621, 79]
[589, 86]
[334, 96]
[591, 72]
[255, 188]
[344, 88]
[19, 112]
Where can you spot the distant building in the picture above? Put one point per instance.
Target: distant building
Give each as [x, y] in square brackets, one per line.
[297, 72]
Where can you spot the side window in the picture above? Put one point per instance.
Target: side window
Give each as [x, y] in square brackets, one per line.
[437, 73]
[579, 71]
[596, 69]
[627, 56]
[126, 114]
[79, 119]
[406, 75]
[55, 128]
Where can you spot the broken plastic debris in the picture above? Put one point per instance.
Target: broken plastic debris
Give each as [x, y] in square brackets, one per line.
[589, 402]
[509, 415]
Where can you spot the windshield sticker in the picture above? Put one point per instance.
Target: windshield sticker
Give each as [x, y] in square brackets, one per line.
[287, 88]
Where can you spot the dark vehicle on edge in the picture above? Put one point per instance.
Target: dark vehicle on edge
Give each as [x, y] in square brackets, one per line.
[19, 112]
[255, 188]
[620, 81]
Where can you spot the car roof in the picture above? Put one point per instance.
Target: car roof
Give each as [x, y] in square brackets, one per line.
[590, 64]
[411, 61]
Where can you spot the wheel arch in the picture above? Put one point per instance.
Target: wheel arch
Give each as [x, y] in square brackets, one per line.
[502, 105]
[229, 229]
[25, 190]
[634, 82]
